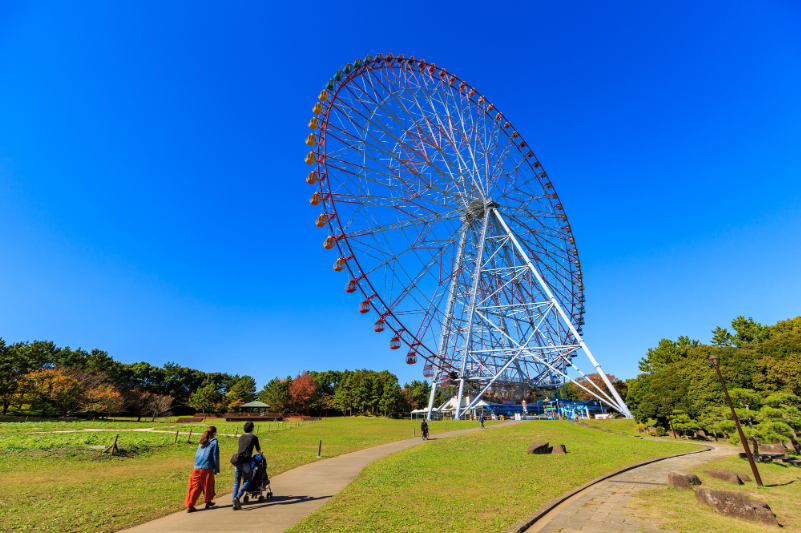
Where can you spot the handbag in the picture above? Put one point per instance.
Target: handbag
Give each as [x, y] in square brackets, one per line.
[236, 459]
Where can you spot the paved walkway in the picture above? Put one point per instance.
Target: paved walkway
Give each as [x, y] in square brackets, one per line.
[296, 494]
[602, 507]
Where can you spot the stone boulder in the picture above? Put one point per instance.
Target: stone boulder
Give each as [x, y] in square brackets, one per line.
[738, 505]
[744, 477]
[772, 448]
[559, 449]
[682, 480]
[725, 475]
[538, 447]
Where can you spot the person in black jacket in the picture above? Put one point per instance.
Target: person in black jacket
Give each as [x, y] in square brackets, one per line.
[247, 442]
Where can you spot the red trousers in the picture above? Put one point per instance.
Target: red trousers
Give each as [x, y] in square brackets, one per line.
[201, 480]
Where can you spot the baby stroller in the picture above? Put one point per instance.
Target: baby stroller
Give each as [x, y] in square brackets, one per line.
[259, 482]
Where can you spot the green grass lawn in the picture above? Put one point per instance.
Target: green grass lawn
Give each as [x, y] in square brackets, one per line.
[678, 510]
[479, 482]
[620, 425]
[54, 482]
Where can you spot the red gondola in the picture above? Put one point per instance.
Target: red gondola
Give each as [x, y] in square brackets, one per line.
[411, 357]
[379, 325]
[351, 286]
[428, 370]
[364, 307]
[394, 343]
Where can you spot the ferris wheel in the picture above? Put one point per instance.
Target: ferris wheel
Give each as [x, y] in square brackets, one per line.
[449, 229]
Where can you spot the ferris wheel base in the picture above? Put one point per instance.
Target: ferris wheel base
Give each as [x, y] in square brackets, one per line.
[519, 352]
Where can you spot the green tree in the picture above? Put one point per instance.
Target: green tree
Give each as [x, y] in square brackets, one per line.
[666, 353]
[419, 392]
[721, 337]
[780, 418]
[206, 399]
[714, 422]
[791, 325]
[748, 332]
[19, 359]
[276, 393]
[242, 391]
[325, 387]
[684, 424]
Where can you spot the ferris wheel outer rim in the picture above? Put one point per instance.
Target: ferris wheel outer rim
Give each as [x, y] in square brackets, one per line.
[321, 162]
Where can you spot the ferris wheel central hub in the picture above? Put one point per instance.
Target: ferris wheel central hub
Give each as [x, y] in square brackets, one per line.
[476, 209]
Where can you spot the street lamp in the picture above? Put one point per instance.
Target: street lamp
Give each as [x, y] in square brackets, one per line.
[715, 360]
[664, 400]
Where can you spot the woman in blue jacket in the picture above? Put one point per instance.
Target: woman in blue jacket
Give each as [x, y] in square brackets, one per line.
[207, 463]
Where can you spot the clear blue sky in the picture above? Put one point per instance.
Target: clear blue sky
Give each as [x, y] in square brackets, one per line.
[152, 193]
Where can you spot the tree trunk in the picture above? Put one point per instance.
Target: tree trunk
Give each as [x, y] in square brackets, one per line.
[794, 441]
[5, 406]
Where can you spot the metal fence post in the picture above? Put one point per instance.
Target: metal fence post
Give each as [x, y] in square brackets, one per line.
[319, 447]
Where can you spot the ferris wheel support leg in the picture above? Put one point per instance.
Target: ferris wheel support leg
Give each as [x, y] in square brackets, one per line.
[621, 404]
[431, 396]
[472, 312]
[451, 300]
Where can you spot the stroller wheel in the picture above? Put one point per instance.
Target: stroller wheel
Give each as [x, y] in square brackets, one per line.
[246, 498]
[261, 499]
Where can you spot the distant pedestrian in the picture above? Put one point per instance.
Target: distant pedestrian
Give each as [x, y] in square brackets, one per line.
[482, 420]
[243, 471]
[207, 463]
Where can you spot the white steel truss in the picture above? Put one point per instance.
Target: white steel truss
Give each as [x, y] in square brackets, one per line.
[508, 328]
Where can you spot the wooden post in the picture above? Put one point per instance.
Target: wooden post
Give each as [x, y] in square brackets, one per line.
[319, 447]
[237, 431]
[189, 439]
[176, 437]
[113, 448]
[414, 432]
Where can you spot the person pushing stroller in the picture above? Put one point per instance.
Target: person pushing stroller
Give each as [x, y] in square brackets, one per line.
[424, 429]
[247, 442]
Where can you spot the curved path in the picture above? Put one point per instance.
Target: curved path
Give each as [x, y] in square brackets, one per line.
[297, 493]
[601, 508]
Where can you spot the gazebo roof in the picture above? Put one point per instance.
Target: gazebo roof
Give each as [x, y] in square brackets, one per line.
[256, 403]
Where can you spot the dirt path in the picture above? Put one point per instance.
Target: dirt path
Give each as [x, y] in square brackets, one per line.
[297, 493]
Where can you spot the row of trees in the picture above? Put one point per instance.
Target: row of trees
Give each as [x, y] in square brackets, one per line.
[762, 369]
[351, 392]
[40, 376]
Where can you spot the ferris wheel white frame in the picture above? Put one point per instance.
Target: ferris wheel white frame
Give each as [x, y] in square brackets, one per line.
[400, 136]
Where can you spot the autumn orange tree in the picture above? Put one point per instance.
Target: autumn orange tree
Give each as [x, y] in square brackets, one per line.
[590, 382]
[55, 389]
[302, 390]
